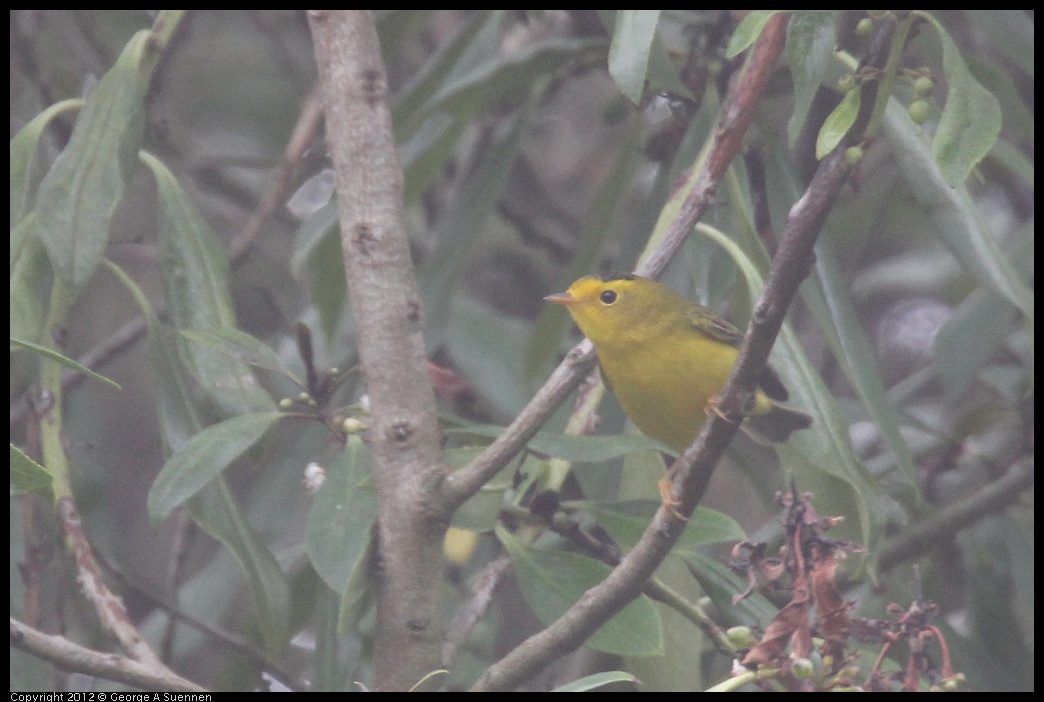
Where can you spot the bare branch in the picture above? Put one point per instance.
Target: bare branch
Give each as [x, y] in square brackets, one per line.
[108, 606]
[69, 656]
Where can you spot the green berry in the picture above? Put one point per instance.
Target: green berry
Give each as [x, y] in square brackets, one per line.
[918, 111]
[741, 637]
[854, 154]
[923, 86]
[802, 668]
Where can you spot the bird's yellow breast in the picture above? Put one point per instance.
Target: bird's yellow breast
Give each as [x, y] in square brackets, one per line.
[664, 387]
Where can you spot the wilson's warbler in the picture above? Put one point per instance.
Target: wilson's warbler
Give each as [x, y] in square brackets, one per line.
[666, 358]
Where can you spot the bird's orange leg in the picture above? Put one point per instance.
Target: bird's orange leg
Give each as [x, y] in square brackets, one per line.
[667, 498]
[712, 406]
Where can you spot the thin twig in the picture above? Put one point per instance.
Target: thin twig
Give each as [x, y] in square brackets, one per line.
[925, 535]
[69, 656]
[108, 606]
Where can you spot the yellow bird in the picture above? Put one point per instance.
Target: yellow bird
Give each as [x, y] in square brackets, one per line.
[667, 358]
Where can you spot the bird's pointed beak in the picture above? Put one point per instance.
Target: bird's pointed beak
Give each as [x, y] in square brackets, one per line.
[562, 299]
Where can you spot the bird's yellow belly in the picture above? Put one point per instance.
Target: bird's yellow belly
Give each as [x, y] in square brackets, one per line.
[666, 394]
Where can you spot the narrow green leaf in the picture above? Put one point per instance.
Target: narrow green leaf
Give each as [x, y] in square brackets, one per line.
[195, 282]
[971, 119]
[810, 56]
[63, 360]
[28, 476]
[956, 218]
[459, 228]
[466, 94]
[342, 518]
[78, 196]
[626, 522]
[203, 458]
[838, 122]
[629, 51]
[662, 74]
[30, 281]
[212, 507]
[553, 581]
[856, 354]
[178, 417]
[721, 584]
[241, 346]
[409, 101]
[217, 513]
[593, 682]
[326, 279]
[24, 161]
[978, 328]
[748, 31]
[483, 345]
[331, 674]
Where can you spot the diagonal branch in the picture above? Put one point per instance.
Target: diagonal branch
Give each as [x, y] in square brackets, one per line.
[70, 656]
[695, 466]
[736, 115]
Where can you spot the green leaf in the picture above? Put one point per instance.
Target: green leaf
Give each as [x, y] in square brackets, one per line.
[626, 522]
[721, 584]
[178, 417]
[217, 513]
[24, 161]
[977, 329]
[31, 281]
[342, 518]
[318, 247]
[810, 56]
[748, 31]
[629, 51]
[63, 360]
[483, 345]
[957, 221]
[856, 354]
[341, 537]
[78, 196]
[195, 283]
[203, 458]
[241, 346]
[971, 119]
[838, 122]
[480, 28]
[553, 581]
[593, 682]
[28, 476]
[462, 224]
[466, 93]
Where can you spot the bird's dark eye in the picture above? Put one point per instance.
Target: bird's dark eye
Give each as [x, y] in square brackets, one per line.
[608, 297]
